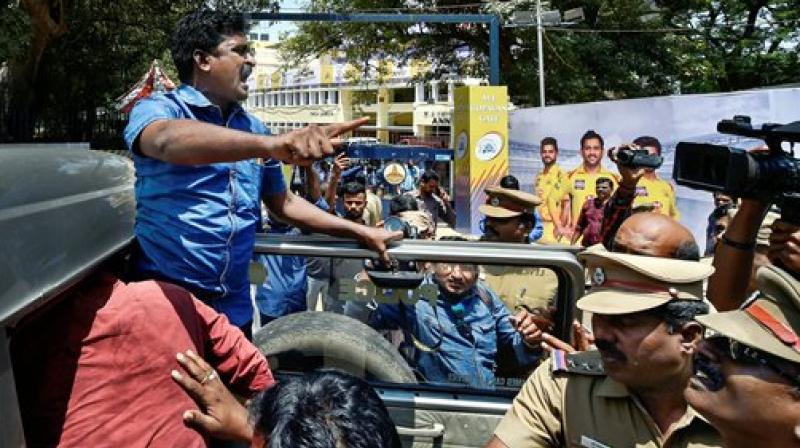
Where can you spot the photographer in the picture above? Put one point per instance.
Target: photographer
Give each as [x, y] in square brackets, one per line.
[638, 186]
[737, 253]
[406, 208]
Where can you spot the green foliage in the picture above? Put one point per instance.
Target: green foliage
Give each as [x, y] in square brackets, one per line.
[16, 34]
[678, 46]
[107, 47]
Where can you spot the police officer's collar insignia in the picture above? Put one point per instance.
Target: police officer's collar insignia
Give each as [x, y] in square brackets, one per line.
[495, 201]
[598, 277]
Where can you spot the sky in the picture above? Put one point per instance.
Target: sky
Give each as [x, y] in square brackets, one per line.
[281, 27]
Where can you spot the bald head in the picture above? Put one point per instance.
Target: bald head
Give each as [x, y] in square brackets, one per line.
[655, 235]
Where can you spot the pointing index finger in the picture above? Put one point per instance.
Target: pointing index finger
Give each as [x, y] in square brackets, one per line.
[336, 129]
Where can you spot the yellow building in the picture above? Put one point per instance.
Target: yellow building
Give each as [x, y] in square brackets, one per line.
[329, 90]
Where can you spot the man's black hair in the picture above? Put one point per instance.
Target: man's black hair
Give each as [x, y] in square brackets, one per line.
[677, 313]
[647, 140]
[687, 250]
[549, 141]
[202, 30]
[604, 180]
[403, 203]
[428, 175]
[510, 182]
[323, 409]
[353, 188]
[590, 134]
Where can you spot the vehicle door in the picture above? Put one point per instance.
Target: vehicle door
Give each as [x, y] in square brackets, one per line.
[431, 406]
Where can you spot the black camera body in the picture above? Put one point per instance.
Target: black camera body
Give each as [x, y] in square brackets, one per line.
[772, 175]
[400, 274]
[635, 158]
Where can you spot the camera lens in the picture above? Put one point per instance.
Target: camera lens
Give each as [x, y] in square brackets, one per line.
[393, 224]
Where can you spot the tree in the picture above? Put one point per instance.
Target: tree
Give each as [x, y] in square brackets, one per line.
[737, 44]
[79, 55]
[623, 49]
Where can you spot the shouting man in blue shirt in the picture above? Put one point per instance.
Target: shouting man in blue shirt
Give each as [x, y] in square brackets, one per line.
[198, 181]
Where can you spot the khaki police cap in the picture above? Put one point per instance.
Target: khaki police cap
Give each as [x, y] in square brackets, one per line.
[625, 283]
[506, 203]
[771, 323]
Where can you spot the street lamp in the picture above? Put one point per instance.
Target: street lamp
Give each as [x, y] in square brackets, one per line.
[541, 19]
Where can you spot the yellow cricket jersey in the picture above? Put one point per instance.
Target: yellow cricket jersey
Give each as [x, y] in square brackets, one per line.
[579, 186]
[546, 183]
[660, 194]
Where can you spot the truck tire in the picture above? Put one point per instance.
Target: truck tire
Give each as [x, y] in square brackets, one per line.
[310, 339]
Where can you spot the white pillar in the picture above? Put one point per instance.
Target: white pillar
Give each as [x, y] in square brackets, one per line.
[419, 92]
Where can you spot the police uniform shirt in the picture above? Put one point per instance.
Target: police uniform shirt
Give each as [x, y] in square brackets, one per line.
[579, 406]
[579, 185]
[546, 183]
[659, 193]
[528, 286]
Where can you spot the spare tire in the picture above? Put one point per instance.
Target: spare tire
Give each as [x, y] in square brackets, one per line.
[337, 340]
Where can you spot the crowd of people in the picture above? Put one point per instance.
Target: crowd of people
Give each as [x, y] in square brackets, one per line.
[681, 352]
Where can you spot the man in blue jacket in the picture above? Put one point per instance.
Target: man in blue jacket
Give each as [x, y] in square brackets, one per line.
[455, 337]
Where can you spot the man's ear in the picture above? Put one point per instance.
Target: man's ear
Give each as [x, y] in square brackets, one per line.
[691, 333]
[202, 60]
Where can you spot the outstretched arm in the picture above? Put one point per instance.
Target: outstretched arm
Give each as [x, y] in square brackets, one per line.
[298, 212]
[192, 142]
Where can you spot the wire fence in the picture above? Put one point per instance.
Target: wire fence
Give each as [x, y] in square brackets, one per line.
[101, 128]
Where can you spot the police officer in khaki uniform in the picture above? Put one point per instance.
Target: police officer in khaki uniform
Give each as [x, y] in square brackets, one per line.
[509, 219]
[747, 380]
[629, 392]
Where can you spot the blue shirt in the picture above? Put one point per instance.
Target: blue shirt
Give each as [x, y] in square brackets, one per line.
[196, 223]
[469, 334]
[284, 291]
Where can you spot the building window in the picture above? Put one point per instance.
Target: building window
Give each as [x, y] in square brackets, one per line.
[335, 97]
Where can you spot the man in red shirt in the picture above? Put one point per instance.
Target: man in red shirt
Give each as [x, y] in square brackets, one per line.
[93, 370]
[591, 216]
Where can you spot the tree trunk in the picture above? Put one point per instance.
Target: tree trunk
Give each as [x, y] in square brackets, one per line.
[48, 23]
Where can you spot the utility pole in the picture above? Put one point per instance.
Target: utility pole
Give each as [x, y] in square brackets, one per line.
[539, 35]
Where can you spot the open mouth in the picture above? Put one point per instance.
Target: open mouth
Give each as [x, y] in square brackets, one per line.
[707, 375]
[247, 70]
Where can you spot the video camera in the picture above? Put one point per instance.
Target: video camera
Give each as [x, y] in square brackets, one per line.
[634, 157]
[772, 175]
[400, 274]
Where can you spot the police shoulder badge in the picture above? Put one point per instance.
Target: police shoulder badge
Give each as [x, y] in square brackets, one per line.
[598, 277]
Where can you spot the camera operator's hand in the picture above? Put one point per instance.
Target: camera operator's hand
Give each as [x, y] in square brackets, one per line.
[377, 239]
[340, 163]
[629, 176]
[784, 245]
[445, 197]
